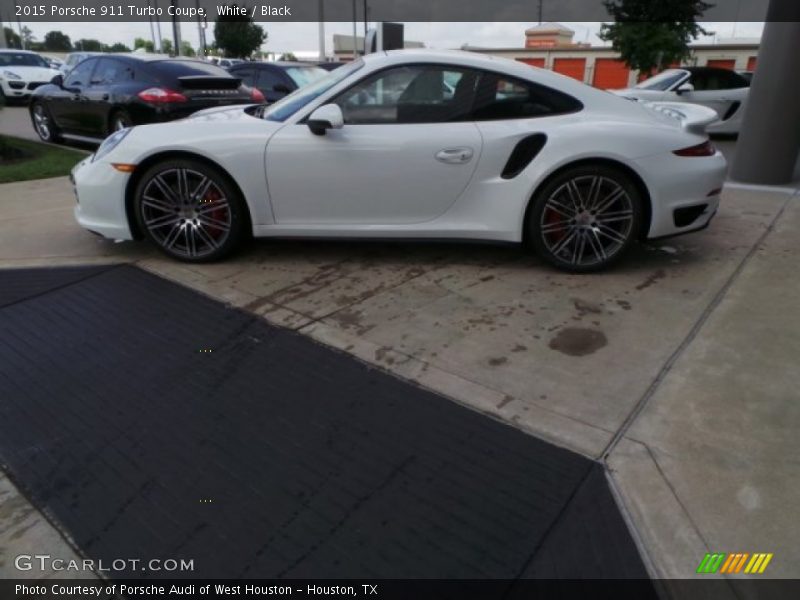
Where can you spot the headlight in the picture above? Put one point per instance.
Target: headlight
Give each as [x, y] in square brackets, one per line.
[110, 143]
[10, 75]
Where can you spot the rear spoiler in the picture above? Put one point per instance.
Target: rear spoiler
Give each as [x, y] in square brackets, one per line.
[692, 117]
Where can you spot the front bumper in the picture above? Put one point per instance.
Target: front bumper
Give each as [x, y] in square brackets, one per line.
[684, 192]
[19, 89]
[100, 192]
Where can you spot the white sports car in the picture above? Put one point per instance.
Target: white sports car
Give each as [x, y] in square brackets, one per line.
[21, 72]
[723, 90]
[382, 148]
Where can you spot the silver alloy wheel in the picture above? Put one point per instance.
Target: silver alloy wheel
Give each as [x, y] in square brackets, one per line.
[41, 121]
[119, 124]
[186, 212]
[587, 220]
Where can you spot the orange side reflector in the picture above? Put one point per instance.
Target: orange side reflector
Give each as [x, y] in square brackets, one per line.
[125, 168]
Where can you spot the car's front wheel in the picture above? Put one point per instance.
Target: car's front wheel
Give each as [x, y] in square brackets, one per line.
[585, 218]
[43, 123]
[191, 210]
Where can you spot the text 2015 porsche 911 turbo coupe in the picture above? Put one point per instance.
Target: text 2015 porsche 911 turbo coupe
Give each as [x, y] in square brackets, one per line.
[414, 144]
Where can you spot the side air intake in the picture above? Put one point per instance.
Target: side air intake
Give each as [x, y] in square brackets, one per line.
[522, 155]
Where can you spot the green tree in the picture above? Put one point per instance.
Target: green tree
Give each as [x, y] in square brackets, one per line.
[12, 39]
[89, 45]
[57, 41]
[118, 47]
[238, 36]
[166, 46]
[651, 33]
[288, 56]
[186, 49]
[143, 43]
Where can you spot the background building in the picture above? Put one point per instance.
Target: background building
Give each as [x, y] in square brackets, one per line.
[550, 46]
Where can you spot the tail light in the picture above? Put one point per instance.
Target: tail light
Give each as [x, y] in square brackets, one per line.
[157, 95]
[257, 96]
[704, 149]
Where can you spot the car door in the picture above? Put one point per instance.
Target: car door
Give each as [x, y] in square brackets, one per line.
[69, 109]
[100, 94]
[404, 155]
[273, 84]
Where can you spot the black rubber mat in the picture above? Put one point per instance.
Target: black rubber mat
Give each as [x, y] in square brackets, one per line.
[149, 421]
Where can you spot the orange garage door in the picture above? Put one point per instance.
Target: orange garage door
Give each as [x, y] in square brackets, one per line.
[722, 64]
[610, 74]
[571, 67]
[534, 62]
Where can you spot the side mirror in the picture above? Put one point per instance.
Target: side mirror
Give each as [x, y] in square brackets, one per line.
[58, 80]
[281, 88]
[683, 88]
[325, 117]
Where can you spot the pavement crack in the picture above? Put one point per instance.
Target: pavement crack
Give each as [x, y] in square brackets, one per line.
[642, 403]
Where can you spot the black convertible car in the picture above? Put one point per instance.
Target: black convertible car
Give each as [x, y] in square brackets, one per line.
[105, 93]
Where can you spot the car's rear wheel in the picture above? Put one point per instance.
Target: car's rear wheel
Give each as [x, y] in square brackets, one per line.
[585, 218]
[191, 210]
[43, 123]
[120, 119]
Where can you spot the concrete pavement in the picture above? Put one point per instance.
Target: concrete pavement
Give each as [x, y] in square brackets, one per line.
[675, 366]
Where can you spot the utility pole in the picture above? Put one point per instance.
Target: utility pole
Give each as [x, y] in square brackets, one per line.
[159, 47]
[201, 30]
[321, 32]
[355, 41]
[3, 43]
[366, 9]
[541, 2]
[152, 30]
[176, 29]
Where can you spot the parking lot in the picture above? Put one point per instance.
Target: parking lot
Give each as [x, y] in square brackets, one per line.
[677, 368]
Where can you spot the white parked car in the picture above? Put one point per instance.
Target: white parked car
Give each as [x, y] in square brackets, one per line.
[21, 72]
[723, 90]
[380, 148]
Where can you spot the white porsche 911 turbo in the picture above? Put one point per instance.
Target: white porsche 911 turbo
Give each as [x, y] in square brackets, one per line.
[413, 144]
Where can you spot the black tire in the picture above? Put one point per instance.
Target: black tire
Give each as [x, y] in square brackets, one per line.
[205, 224]
[43, 124]
[119, 120]
[585, 218]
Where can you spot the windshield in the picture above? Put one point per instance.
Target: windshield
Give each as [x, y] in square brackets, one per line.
[663, 81]
[286, 107]
[302, 76]
[21, 59]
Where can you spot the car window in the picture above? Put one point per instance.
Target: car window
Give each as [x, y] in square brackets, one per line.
[500, 97]
[410, 94]
[112, 71]
[268, 79]
[79, 76]
[305, 75]
[663, 81]
[248, 76]
[21, 59]
[289, 105]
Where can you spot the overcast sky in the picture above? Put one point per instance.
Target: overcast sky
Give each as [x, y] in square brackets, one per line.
[301, 38]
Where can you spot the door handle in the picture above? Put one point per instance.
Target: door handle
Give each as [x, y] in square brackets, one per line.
[454, 156]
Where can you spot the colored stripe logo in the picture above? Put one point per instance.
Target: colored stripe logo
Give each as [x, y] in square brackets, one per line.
[737, 562]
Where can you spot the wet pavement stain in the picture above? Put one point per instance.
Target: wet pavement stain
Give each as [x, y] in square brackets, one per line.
[653, 279]
[578, 341]
[496, 362]
[624, 304]
[584, 307]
